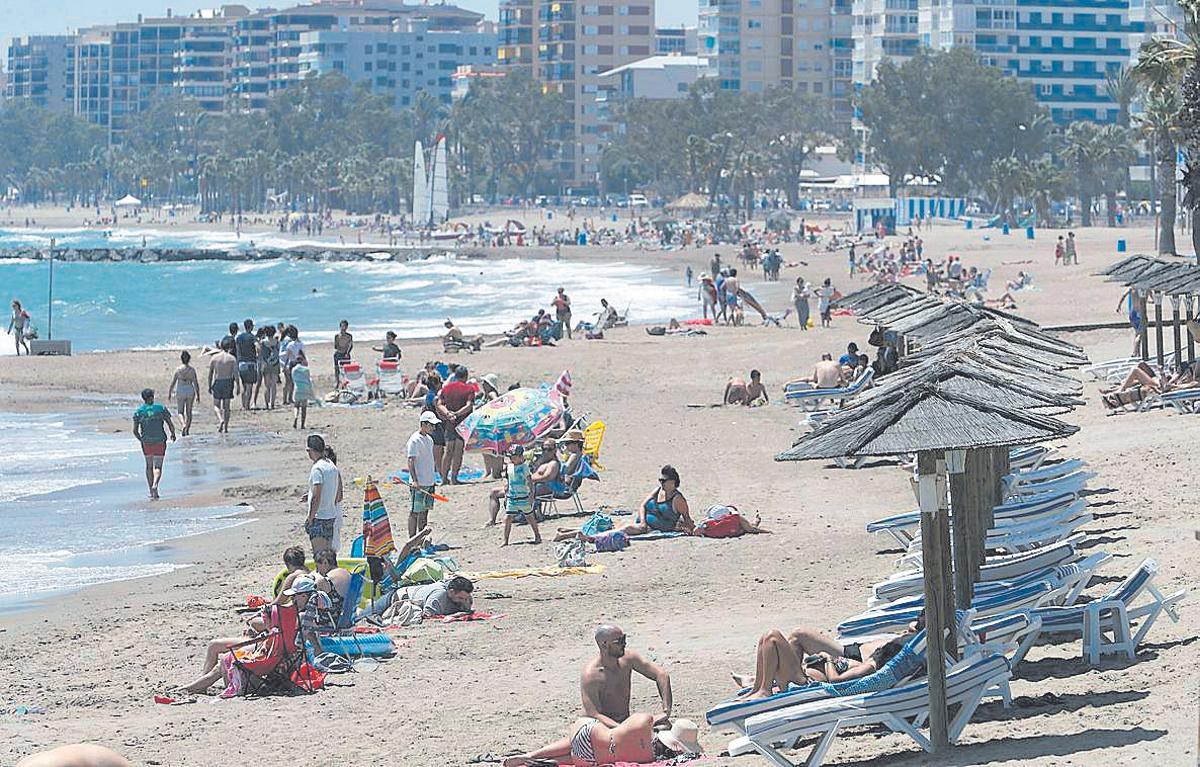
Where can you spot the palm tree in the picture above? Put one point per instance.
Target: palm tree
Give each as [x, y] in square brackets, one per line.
[1115, 152]
[1043, 182]
[1167, 59]
[1080, 150]
[1159, 124]
[1004, 184]
[1122, 87]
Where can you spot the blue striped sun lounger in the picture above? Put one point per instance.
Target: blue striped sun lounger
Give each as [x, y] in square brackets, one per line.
[896, 617]
[995, 568]
[902, 709]
[1106, 624]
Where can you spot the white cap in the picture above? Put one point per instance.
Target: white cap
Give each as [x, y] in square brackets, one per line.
[430, 417]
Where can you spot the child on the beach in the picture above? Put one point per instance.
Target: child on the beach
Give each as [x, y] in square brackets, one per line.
[302, 380]
[520, 495]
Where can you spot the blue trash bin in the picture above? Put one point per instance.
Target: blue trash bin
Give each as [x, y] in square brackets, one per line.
[1004, 229]
[970, 223]
[1120, 246]
[1029, 232]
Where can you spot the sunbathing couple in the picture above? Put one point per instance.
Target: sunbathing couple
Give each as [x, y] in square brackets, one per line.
[1144, 380]
[608, 733]
[805, 656]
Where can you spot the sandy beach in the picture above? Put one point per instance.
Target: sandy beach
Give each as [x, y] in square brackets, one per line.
[95, 658]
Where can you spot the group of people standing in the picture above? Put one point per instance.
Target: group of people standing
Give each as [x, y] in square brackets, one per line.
[802, 294]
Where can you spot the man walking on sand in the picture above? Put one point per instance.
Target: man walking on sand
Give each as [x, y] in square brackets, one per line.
[148, 426]
[246, 350]
[605, 684]
[422, 476]
[222, 383]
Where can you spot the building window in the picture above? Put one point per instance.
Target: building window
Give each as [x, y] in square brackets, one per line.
[753, 24]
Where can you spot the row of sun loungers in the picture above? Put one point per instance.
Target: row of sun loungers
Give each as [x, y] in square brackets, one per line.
[1031, 586]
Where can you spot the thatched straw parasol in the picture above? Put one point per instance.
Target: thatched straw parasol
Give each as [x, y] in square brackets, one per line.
[930, 415]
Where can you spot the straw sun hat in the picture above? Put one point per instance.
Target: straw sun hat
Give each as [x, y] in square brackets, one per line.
[682, 737]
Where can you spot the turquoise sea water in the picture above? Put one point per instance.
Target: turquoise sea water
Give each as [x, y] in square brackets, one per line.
[74, 511]
[106, 306]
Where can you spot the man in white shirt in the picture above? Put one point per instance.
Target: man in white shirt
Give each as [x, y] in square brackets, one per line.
[421, 474]
[324, 524]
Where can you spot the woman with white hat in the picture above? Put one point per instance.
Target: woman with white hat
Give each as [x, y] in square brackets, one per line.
[592, 743]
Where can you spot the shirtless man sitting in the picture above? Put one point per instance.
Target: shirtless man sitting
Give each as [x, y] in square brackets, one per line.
[826, 375]
[605, 683]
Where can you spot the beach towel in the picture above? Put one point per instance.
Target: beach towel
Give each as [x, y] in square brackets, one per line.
[465, 474]
[526, 572]
[468, 617]
[656, 535]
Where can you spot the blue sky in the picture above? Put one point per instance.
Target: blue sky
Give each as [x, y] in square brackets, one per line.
[19, 17]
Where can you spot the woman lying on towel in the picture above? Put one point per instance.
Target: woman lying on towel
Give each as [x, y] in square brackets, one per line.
[591, 743]
[806, 656]
[665, 510]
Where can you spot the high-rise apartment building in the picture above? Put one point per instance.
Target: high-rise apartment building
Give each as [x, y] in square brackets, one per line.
[1064, 50]
[37, 69]
[400, 63]
[232, 59]
[566, 46]
[764, 43]
[882, 29]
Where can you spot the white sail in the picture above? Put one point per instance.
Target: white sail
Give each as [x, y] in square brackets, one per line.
[439, 206]
[420, 194]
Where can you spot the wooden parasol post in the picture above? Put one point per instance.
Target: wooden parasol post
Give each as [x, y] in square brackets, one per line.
[962, 507]
[1175, 331]
[1158, 326]
[931, 491]
[1191, 342]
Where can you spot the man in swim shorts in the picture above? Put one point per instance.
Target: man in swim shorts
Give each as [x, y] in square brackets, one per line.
[246, 346]
[223, 383]
[605, 683]
[148, 426]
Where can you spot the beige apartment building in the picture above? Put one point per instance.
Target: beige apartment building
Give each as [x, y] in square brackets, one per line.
[567, 46]
[765, 43]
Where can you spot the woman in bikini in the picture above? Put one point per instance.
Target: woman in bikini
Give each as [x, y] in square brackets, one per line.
[185, 388]
[592, 743]
[665, 510]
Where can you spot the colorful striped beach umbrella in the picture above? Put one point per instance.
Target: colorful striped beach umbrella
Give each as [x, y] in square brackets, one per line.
[563, 384]
[377, 530]
[519, 417]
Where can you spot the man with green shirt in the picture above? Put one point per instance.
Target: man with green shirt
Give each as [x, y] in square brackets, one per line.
[150, 424]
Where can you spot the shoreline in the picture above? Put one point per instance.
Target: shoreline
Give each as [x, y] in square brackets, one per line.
[21, 609]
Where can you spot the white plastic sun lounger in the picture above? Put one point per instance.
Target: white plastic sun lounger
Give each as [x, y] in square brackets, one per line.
[1068, 483]
[1044, 473]
[1113, 615]
[896, 616]
[902, 709]
[814, 399]
[1183, 400]
[995, 568]
[1015, 537]
[391, 380]
[904, 527]
[1028, 457]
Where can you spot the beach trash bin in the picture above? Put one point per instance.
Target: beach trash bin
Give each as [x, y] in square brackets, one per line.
[970, 223]
[1120, 246]
[1029, 232]
[614, 217]
[1004, 229]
